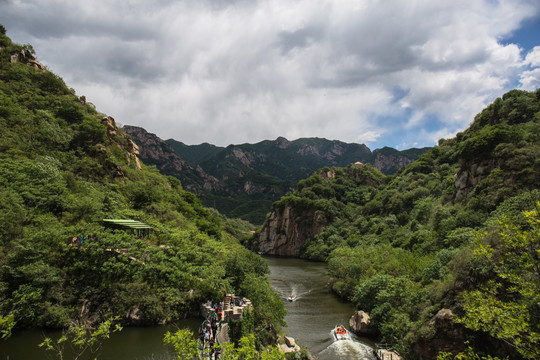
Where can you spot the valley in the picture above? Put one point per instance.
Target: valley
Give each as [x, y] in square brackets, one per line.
[438, 245]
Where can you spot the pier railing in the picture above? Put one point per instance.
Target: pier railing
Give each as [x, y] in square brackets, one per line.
[385, 352]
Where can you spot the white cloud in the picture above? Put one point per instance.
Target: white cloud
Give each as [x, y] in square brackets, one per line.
[530, 79]
[243, 71]
[533, 57]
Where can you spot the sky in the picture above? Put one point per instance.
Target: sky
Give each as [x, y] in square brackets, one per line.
[383, 73]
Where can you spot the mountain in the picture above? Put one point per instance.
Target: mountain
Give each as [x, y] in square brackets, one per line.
[243, 180]
[88, 233]
[443, 255]
[155, 151]
[194, 154]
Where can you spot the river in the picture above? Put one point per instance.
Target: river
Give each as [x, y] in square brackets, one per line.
[310, 320]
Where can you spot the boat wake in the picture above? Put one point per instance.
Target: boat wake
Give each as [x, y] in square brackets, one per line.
[347, 349]
[294, 292]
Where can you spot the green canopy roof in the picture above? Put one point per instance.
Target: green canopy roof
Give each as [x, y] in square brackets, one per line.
[131, 224]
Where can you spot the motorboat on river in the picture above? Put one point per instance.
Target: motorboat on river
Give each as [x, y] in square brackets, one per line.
[292, 298]
[340, 333]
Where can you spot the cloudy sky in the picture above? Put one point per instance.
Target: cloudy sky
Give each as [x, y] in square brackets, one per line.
[384, 73]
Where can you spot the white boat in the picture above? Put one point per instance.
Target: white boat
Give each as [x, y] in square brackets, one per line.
[292, 297]
[340, 333]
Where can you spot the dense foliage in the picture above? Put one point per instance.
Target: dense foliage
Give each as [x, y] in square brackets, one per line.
[252, 176]
[62, 171]
[408, 246]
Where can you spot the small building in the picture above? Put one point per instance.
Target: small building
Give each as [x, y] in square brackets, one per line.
[138, 228]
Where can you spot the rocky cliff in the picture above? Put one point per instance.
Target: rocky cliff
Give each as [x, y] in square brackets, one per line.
[470, 175]
[244, 180]
[447, 336]
[286, 231]
[155, 151]
[389, 164]
[297, 218]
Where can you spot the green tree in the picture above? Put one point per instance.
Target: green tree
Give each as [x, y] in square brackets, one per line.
[7, 323]
[246, 350]
[468, 354]
[184, 344]
[508, 305]
[81, 339]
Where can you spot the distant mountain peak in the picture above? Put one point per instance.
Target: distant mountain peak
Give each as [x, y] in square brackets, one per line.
[282, 143]
[243, 180]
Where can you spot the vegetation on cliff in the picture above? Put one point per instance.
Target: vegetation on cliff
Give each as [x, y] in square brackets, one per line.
[252, 176]
[456, 229]
[64, 167]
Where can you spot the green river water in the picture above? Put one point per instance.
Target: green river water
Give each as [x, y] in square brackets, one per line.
[310, 320]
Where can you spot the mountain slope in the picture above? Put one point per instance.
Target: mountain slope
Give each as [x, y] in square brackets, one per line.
[64, 169]
[444, 251]
[155, 151]
[243, 180]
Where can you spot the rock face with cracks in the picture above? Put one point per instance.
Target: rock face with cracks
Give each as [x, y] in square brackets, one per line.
[286, 231]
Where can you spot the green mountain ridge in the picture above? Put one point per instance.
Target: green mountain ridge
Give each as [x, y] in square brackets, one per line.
[443, 253]
[242, 181]
[64, 168]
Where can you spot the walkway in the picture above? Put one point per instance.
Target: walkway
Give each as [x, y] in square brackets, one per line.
[231, 308]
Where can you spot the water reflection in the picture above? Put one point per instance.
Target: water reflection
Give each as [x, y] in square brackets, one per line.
[133, 343]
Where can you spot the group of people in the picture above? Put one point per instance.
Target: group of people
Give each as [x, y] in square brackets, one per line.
[208, 331]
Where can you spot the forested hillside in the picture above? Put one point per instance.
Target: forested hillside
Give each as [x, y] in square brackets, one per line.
[64, 168]
[445, 251]
[242, 181]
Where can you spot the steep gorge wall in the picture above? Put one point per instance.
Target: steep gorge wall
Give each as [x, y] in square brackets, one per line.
[286, 231]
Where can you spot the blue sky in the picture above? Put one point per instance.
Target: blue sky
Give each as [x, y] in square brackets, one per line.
[384, 73]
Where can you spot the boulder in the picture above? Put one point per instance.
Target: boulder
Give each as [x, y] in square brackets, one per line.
[359, 323]
[290, 341]
[135, 315]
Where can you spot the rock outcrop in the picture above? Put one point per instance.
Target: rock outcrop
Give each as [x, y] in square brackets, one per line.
[448, 336]
[246, 158]
[25, 57]
[289, 226]
[389, 164]
[154, 151]
[470, 175]
[130, 149]
[286, 231]
[359, 324]
[289, 345]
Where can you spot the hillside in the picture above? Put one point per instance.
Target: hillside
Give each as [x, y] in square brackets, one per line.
[64, 168]
[443, 252]
[242, 181]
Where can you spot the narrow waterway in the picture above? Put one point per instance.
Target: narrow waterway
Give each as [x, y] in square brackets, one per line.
[316, 311]
[310, 320]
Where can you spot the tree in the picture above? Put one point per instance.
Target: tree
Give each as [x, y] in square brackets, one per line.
[184, 344]
[468, 354]
[507, 306]
[246, 350]
[6, 324]
[81, 339]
